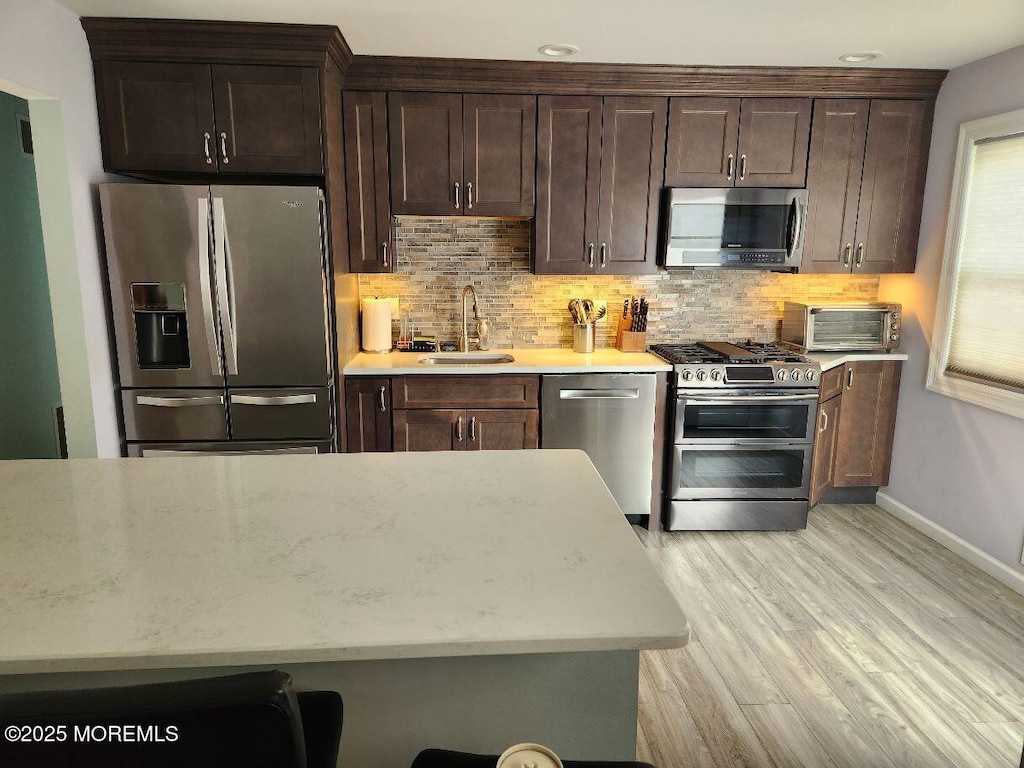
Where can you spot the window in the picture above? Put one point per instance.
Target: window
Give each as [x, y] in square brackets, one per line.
[978, 350]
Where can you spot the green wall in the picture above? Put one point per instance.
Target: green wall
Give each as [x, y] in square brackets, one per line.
[29, 389]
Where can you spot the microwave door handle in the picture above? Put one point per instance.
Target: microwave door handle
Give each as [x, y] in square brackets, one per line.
[798, 227]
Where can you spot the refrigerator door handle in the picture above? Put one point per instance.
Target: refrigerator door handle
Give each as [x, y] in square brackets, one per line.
[179, 402]
[205, 283]
[225, 296]
[273, 399]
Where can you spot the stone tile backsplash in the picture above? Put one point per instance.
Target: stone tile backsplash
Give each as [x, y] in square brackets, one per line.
[436, 257]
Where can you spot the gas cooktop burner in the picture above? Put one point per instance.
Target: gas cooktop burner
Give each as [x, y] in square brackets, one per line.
[745, 352]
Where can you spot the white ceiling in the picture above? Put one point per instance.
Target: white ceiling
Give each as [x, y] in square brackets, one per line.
[911, 33]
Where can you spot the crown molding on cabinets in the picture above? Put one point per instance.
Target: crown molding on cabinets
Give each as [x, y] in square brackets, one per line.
[580, 78]
[218, 42]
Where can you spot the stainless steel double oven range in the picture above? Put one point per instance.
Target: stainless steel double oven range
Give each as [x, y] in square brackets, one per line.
[742, 436]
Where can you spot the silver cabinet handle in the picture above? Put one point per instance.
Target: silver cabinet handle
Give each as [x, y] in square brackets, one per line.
[458, 429]
[598, 394]
[383, 402]
[849, 379]
[224, 147]
[730, 166]
[179, 402]
[206, 148]
[824, 422]
[205, 283]
[472, 429]
[273, 399]
[847, 252]
[590, 255]
[469, 195]
[860, 254]
[384, 253]
[743, 167]
[456, 195]
[604, 255]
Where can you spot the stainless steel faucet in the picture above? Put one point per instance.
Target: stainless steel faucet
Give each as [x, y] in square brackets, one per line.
[465, 339]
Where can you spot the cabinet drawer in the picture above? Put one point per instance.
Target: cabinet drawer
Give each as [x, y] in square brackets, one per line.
[411, 392]
[175, 414]
[280, 414]
[831, 383]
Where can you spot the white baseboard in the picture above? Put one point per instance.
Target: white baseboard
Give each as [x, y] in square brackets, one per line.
[997, 569]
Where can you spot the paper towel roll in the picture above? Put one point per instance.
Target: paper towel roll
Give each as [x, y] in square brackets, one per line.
[377, 325]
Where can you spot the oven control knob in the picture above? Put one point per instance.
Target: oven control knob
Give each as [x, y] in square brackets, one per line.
[894, 326]
[781, 375]
[796, 374]
[894, 336]
[895, 315]
[686, 375]
[810, 375]
[701, 375]
[716, 375]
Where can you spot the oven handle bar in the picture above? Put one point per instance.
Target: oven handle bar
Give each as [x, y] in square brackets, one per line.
[753, 399]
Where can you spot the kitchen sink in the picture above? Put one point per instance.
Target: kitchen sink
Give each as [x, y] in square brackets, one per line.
[466, 358]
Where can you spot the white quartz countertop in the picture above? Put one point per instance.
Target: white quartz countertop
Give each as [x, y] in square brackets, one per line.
[526, 361]
[236, 560]
[829, 360]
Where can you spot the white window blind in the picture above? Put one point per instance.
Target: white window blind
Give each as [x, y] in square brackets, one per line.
[986, 332]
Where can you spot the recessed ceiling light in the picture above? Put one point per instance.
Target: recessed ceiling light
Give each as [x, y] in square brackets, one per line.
[558, 50]
[860, 57]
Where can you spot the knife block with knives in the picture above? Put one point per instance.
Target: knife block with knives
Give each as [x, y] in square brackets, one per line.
[631, 335]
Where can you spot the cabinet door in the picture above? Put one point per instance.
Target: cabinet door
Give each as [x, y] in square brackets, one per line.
[430, 430]
[425, 133]
[268, 119]
[366, 178]
[499, 166]
[632, 165]
[833, 183]
[866, 424]
[368, 414]
[774, 134]
[502, 430]
[436, 391]
[156, 117]
[568, 184]
[892, 191]
[702, 134]
[824, 448]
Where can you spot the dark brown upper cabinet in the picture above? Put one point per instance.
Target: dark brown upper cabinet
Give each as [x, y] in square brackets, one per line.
[366, 179]
[727, 142]
[865, 185]
[203, 118]
[599, 170]
[455, 155]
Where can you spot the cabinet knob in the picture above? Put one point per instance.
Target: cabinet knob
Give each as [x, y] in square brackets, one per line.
[590, 255]
[730, 166]
[847, 252]
[224, 147]
[384, 253]
[469, 195]
[458, 429]
[472, 429]
[860, 254]
[206, 148]
[457, 201]
[383, 400]
[604, 255]
[824, 422]
[743, 167]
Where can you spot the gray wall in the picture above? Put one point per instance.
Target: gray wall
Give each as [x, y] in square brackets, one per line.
[28, 360]
[957, 464]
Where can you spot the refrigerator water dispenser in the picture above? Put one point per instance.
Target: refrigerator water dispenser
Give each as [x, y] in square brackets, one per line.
[161, 327]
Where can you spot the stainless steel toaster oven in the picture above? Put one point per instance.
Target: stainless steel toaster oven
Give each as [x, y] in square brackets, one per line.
[842, 327]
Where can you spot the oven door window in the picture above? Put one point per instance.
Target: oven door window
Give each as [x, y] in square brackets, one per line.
[745, 421]
[725, 472]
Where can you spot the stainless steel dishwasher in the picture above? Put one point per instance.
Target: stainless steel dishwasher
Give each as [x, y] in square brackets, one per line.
[611, 417]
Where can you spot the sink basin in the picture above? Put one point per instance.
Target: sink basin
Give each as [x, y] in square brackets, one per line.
[466, 358]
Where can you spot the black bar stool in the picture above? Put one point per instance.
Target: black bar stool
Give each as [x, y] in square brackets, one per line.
[254, 719]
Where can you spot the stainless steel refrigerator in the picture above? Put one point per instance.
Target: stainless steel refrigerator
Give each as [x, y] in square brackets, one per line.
[221, 318]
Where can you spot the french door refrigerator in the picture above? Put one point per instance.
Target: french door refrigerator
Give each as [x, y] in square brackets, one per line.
[221, 318]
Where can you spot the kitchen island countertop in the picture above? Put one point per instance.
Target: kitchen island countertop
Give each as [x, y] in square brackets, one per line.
[527, 360]
[120, 564]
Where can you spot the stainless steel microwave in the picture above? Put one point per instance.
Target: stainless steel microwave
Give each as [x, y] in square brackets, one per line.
[842, 327]
[734, 228]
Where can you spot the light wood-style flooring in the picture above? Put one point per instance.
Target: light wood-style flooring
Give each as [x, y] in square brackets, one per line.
[858, 643]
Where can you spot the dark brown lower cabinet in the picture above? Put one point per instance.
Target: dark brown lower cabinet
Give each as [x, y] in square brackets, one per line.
[866, 424]
[503, 430]
[824, 448]
[368, 414]
[856, 422]
[434, 429]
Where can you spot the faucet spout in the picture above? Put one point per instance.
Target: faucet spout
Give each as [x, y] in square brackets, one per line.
[466, 339]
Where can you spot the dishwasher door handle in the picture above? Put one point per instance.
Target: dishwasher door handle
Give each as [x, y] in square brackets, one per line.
[599, 394]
